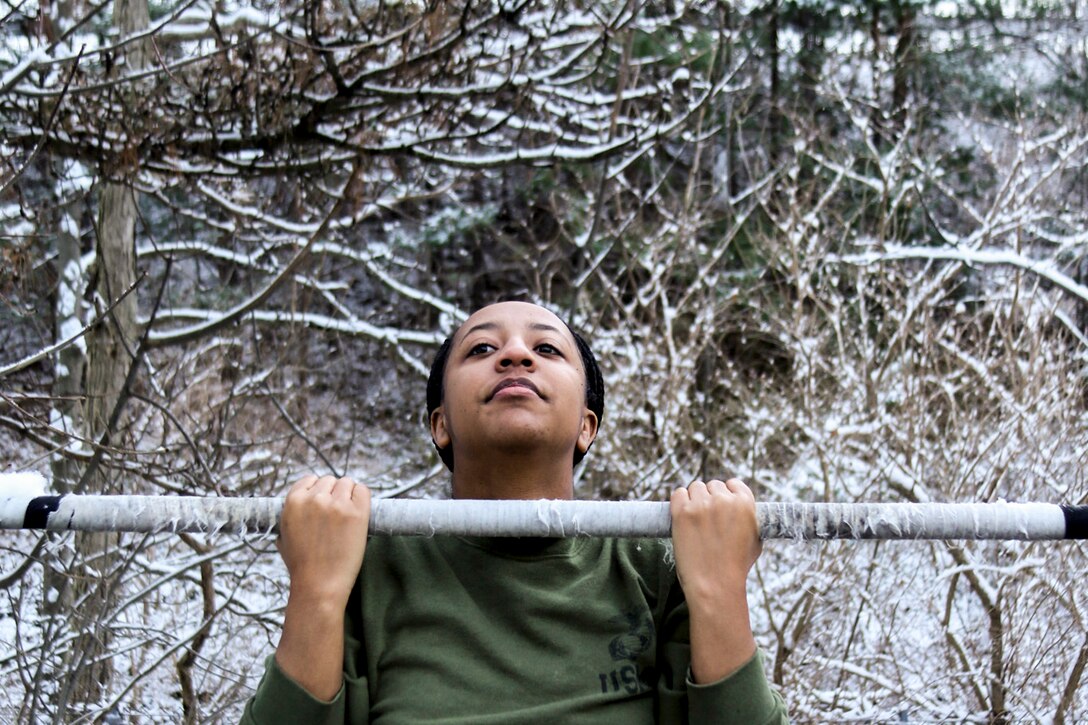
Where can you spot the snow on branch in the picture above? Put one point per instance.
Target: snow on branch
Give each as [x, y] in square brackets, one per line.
[187, 334]
[323, 322]
[69, 340]
[1044, 268]
[557, 151]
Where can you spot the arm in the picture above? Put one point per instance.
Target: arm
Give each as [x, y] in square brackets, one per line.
[716, 542]
[323, 532]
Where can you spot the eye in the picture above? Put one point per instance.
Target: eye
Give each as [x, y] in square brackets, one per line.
[548, 349]
[480, 348]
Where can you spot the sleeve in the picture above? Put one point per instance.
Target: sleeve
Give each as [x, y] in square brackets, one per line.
[279, 699]
[743, 698]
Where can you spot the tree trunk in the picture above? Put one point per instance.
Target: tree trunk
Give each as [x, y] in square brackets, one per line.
[731, 128]
[112, 342]
[810, 60]
[110, 348]
[109, 355]
[876, 118]
[904, 63]
[776, 118]
[69, 362]
[67, 415]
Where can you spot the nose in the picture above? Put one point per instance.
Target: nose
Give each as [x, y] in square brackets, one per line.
[516, 352]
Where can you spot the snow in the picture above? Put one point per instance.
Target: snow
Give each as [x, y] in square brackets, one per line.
[325, 322]
[932, 405]
[29, 60]
[1043, 267]
[25, 483]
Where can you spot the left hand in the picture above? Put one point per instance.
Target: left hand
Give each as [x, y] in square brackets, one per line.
[715, 534]
[715, 537]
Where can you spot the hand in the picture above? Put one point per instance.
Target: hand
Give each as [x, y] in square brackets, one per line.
[715, 534]
[715, 537]
[322, 540]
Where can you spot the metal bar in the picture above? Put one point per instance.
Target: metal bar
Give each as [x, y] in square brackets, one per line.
[799, 521]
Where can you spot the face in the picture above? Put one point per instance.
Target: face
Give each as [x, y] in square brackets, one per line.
[514, 380]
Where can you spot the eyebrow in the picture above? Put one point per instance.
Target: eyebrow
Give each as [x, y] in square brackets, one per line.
[494, 326]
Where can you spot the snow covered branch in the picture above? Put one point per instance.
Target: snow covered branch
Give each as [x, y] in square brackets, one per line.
[1044, 268]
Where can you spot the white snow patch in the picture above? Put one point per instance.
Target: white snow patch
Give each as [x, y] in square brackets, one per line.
[27, 483]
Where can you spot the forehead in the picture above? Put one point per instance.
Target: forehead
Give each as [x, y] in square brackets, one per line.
[513, 317]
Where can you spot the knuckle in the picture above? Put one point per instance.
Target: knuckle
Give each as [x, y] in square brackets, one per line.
[301, 484]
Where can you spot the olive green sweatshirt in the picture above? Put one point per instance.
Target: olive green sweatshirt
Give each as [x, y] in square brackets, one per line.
[456, 631]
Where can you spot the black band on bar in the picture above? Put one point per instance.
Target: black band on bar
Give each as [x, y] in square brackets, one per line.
[1076, 522]
[38, 510]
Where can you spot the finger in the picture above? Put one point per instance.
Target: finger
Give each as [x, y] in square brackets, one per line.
[325, 484]
[739, 488]
[697, 490]
[343, 487]
[679, 496]
[360, 499]
[304, 483]
[717, 487]
[358, 490]
[300, 489]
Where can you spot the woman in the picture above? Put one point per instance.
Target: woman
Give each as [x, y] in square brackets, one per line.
[478, 630]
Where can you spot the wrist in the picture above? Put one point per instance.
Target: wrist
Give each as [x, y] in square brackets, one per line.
[310, 651]
[721, 636]
[319, 590]
[714, 593]
[317, 603]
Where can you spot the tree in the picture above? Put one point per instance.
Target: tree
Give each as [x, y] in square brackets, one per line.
[880, 305]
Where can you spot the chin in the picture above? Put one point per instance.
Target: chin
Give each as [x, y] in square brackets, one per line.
[514, 437]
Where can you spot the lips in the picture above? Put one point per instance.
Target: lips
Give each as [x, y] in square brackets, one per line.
[514, 383]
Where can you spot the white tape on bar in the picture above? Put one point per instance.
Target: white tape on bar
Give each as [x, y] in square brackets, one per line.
[539, 518]
[912, 521]
[522, 518]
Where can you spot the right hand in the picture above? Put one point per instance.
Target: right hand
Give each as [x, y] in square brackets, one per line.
[323, 531]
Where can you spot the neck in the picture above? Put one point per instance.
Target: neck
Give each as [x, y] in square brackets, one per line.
[521, 476]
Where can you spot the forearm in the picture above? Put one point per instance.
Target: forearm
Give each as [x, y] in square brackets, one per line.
[311, 648]
[322, 540]
[721, 631]
[716, 538]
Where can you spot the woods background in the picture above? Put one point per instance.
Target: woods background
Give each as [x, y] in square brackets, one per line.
[837, 249]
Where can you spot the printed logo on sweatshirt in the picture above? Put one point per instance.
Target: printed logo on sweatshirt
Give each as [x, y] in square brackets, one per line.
[626, 647]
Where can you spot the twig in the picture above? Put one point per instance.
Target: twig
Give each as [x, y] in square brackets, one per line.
[46, 128]
[30, 360]
[188, 334]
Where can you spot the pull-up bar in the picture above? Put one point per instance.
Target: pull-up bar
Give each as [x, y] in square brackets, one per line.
[547, 518]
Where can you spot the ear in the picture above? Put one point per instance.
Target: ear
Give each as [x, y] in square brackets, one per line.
[439, 432]
[589, 430]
